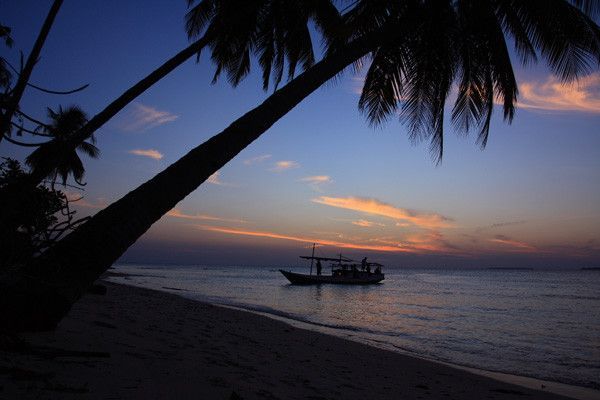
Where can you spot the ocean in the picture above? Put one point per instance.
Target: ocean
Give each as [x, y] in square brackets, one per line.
[536, 323]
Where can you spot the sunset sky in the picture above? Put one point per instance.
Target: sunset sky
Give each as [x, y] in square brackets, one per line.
[321, 174]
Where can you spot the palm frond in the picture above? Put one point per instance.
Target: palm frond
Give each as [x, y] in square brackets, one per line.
[198, 17]
[89, 149]
[276, 31]
[589, 7]
[383, 87]
[564, 35]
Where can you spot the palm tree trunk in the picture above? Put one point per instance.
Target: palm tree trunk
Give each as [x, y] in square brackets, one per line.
[38, 298]
[39, 174]
[25, 74]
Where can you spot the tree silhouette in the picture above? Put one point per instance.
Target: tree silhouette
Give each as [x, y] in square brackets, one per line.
[278, 29]
[11, 104]
[418, 50]
[5, 75]
[31, 218]
[56, 156]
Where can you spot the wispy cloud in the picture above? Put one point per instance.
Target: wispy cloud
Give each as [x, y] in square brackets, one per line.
[427, 243]
[257, 159]
[176, 213]
[77, 199]
[141, 117]
[553, 95]
[376, 207]
[505, 240]
[317, 181]
[500, 225]
[366, 224]
[431, 240]
[151, 153]
[284, 166]
[324, 242]
[215, 179]
[357, 83]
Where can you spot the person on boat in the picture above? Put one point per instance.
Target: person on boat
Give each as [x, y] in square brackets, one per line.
[319, 267]
[363, 263]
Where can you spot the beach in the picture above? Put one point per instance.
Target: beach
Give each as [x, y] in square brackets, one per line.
[139, 343]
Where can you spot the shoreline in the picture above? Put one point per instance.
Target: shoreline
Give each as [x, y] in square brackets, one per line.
[530, 382]
[162, 345]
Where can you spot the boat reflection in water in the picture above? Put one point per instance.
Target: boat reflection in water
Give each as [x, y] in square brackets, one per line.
[343, 271]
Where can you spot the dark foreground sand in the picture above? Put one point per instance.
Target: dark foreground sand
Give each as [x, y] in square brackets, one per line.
[153, 345]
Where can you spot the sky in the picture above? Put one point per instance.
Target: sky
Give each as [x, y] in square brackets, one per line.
[321, 174]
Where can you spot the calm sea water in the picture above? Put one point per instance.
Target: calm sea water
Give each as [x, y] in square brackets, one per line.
[542, 324]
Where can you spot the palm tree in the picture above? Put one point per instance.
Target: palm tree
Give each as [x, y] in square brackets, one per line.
[418, 50]
[12, 103]
[5, 75]
[56, 156]
[278, 29]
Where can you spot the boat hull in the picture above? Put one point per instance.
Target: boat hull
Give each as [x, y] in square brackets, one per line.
[348, 279]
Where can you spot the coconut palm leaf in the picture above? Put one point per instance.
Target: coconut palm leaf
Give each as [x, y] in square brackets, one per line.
[57, 156]
[465, 43]
[276, 31]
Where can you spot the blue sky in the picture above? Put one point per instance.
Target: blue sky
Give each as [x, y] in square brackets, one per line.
[532, 198]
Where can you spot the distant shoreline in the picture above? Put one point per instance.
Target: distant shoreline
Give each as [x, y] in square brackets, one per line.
[393, 267]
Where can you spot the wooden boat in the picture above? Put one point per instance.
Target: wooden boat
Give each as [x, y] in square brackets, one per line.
[338, 277]
[341, 272]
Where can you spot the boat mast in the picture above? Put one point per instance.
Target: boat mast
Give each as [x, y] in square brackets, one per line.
[312, 258]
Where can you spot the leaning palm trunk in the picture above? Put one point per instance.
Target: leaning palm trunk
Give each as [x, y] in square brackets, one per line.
[25, 74]
[39, 295]
[39, 173]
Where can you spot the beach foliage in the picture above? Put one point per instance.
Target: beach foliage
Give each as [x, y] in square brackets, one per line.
[32, 218]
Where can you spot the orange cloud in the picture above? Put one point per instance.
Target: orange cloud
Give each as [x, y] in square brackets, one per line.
[284, 166]
[432, 243]
[554, 95]
[76, 199]
[151, 153]
[175, 213]
[366, 224]
[316, 181]
[513, 243]
[325, 242]
[376, 207]
[215, 179]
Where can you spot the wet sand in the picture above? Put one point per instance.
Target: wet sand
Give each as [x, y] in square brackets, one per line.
[143, 344]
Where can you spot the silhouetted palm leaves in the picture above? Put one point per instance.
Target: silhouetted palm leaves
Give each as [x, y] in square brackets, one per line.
[276, 31]
[5, 75]
[65, 161]
[444, 43]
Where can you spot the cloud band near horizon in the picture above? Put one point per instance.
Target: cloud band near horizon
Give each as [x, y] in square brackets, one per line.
[376, 207]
